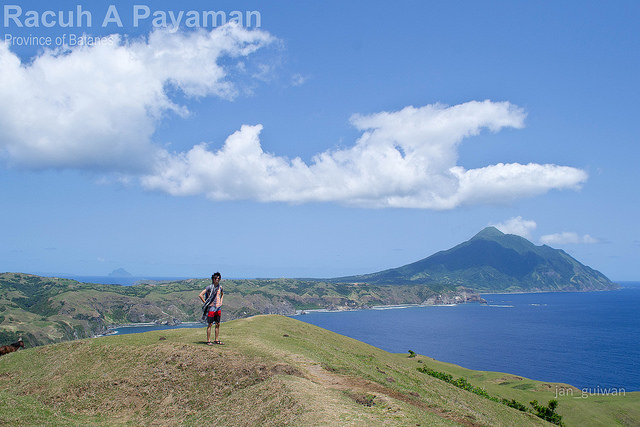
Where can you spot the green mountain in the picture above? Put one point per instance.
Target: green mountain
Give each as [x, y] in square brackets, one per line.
[492, 261]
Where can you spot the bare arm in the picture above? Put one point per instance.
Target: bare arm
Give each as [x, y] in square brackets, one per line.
[204, 291]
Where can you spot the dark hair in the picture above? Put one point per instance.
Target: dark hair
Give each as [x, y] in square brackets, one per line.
[213, 276]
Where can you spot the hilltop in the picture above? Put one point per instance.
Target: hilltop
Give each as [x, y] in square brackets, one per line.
[492, 261]
[273, 370]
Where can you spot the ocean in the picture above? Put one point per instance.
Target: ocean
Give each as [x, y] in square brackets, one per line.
[587, 340]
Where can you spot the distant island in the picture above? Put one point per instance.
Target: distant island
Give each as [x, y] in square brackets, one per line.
[120, 272]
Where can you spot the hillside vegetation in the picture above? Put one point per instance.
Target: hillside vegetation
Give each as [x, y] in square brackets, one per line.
[272, 371]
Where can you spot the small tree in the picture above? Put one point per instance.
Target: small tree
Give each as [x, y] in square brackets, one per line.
[548, 412]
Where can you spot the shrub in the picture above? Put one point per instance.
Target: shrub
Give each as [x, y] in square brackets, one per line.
[514, 404]
[544, 412]
[547, 412]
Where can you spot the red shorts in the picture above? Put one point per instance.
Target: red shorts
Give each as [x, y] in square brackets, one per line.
[214, 315]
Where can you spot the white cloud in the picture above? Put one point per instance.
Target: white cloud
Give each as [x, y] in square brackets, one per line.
[567, 238]
[405, 158]
[97, 107]
[503, 183]
[517, 225]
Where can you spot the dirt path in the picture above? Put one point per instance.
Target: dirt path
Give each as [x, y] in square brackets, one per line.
[359, 387]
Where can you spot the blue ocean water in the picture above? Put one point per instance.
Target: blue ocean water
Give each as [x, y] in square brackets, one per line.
[584, 339]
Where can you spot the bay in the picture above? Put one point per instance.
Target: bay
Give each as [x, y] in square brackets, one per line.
[588, 340]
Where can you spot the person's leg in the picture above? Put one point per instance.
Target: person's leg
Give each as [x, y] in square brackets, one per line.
[209, 333]
[217, 318]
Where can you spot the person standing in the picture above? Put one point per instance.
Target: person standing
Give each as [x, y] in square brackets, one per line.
[211, 297]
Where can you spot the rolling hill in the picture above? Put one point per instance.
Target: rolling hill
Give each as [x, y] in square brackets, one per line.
[492, 261]
[272, 371]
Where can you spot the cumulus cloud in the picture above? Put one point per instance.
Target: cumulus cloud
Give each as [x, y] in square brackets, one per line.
[517, 225]
[403, 158]
[97, 107]
[567, 238]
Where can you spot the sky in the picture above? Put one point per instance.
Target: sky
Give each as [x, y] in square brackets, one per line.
[290, 138]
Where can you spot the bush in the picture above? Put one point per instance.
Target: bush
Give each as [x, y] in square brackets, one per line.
[514, 404]
[546, 413]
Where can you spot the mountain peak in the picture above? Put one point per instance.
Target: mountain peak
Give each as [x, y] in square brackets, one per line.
[488, 233]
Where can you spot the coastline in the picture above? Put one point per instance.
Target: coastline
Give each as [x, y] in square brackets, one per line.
[113, 329]
[622, 284]
[375, 307]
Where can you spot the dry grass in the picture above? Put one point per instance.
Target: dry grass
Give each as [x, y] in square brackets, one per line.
[164, 383]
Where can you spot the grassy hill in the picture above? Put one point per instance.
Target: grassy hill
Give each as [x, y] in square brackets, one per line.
[492, 261]
[273, 370]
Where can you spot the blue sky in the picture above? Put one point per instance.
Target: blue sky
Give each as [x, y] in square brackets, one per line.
[315, 139]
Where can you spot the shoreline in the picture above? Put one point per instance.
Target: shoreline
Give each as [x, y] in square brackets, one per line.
[303, 312]
[112, 329]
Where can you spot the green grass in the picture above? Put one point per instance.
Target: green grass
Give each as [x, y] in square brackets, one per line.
[273, 370]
